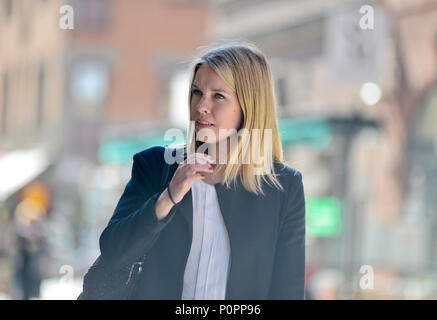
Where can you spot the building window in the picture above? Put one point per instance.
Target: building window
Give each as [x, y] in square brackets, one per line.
[91, 14]
[5, 103]
[25, 11]
[281, 95]
[89, 88]
[281, 89]
[41, 96]
[8, 6]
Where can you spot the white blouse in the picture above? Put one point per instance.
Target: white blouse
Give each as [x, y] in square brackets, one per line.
[207, 268]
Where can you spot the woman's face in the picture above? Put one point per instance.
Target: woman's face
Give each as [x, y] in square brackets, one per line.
[214, 102]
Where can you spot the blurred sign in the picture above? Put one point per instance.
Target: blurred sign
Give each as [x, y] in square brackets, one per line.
[312, 131]
[355, 53]
[323, 216]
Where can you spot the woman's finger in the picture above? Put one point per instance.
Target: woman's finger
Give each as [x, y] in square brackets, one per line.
[200, 168]
[196, 176]
[201, 158]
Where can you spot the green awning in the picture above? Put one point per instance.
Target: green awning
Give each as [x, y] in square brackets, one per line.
[310, 131]
[121, 151]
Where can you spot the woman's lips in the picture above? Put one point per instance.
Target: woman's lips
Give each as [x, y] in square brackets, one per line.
[200, 125]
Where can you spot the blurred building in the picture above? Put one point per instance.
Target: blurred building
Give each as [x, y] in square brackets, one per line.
[66, 92]
[357, 107]
[356, 96]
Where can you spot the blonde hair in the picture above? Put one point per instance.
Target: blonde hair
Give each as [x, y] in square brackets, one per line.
[245, 69]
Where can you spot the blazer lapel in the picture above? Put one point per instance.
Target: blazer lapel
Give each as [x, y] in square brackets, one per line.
[225, 198]
[186, 209]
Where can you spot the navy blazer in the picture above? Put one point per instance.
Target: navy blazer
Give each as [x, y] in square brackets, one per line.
[266, 234]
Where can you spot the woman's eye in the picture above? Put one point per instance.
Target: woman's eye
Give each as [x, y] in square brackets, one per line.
[196, 92]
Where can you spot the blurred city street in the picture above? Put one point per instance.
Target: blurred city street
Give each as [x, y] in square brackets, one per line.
[86, 84]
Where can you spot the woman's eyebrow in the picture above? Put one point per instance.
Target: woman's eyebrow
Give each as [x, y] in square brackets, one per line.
[216, 90]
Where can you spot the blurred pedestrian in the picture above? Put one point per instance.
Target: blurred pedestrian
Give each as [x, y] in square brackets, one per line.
[30, 247]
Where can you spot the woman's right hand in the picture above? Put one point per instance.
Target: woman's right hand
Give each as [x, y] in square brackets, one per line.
[188, 171]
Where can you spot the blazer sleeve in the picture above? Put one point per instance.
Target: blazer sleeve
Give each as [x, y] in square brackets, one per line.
[134, 226]
[288, 281]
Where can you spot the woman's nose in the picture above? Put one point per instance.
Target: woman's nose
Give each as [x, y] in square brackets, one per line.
[203, 106]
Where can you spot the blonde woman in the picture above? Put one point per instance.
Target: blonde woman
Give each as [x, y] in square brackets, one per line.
[228, 222]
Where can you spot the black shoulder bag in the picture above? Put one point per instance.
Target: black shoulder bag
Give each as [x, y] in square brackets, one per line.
[106, 282]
